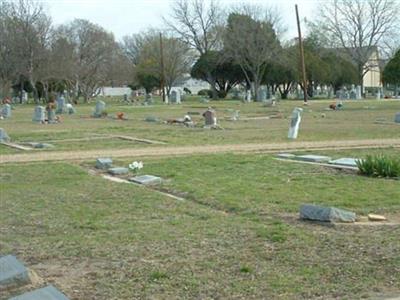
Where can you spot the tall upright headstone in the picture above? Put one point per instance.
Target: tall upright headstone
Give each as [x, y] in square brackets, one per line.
[149, 98]
[39, 114]
[60, 105]
[70, 108]
[99, 109]
[379, 94]
[248, 96]
[175, 97]
[6, 111]
[358, 92]
[295, 123]
[51, 115]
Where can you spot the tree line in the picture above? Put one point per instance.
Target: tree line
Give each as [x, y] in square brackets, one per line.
[243, 44]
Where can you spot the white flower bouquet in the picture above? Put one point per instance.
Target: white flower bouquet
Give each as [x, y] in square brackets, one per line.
[136, 166]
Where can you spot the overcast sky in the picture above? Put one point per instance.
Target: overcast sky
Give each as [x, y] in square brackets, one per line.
[124, 17]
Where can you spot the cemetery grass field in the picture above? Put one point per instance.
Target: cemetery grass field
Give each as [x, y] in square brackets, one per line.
[236, 234]
[80, 132]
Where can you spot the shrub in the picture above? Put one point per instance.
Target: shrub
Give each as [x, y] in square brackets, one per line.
[205, 92]
[379, 166]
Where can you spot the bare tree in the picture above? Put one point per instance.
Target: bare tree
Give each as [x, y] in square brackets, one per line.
[196, 24]
[93, 49]
[177, 58]
[28, 32]
[358, 26]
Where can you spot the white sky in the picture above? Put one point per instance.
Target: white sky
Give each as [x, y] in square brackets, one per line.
[125, 17]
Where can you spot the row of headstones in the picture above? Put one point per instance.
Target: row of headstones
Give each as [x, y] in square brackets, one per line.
[262, 95]
[353, 94]
[14, 273]
[106, 164]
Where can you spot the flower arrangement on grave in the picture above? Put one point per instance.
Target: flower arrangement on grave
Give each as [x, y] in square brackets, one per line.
[136, 166]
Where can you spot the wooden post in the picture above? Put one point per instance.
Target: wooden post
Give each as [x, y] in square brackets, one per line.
[162, 69]
[303, 65]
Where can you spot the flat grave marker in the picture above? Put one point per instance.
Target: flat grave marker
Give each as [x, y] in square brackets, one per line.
[47, 293]
[4, 138]
[345, 161]
[118, 171]
[326, 214]
[146, 179]
[313, 158]
[12, 271]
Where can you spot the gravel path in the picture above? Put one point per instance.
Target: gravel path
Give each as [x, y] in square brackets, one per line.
[188, 150]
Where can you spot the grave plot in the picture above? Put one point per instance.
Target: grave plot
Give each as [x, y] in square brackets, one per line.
[321, 160]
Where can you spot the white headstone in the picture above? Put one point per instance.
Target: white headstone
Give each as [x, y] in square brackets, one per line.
[39, 114]
[248, 96]
[358, 92]
[295, 123]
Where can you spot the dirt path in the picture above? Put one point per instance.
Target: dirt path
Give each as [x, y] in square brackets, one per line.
[188, 150]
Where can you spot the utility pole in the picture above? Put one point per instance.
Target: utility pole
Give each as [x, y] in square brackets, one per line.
[162, 69]
[303, 65]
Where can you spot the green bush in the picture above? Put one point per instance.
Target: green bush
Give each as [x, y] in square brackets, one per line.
[379, 166]
[205, 92]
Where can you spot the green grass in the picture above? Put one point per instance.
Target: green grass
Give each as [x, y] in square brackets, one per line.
[235, 236]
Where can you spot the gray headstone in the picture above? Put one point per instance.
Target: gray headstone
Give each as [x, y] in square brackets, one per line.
[314, 158]
[149, 99]
[118, 171]
[397, 118]
[12, 271]
[4, 138]
[99, 109]
[262, 95]
[210, 117]
[348, 162]
[103, 163]
[51, 115]
[146, 179]
[47, 293]
[60, 105]
[175, 97]
[326, 214]
[6, 111]
[152, 119]
[39, 114]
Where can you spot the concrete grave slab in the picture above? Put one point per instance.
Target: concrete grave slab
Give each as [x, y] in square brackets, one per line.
[118, 171]
[12, 271]
[39, 145]
[47, 293]
[313, 158]
[397, 118]
[146, 179]
[326, 214]
[286, 155]
[345, 161]
[103, 163]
